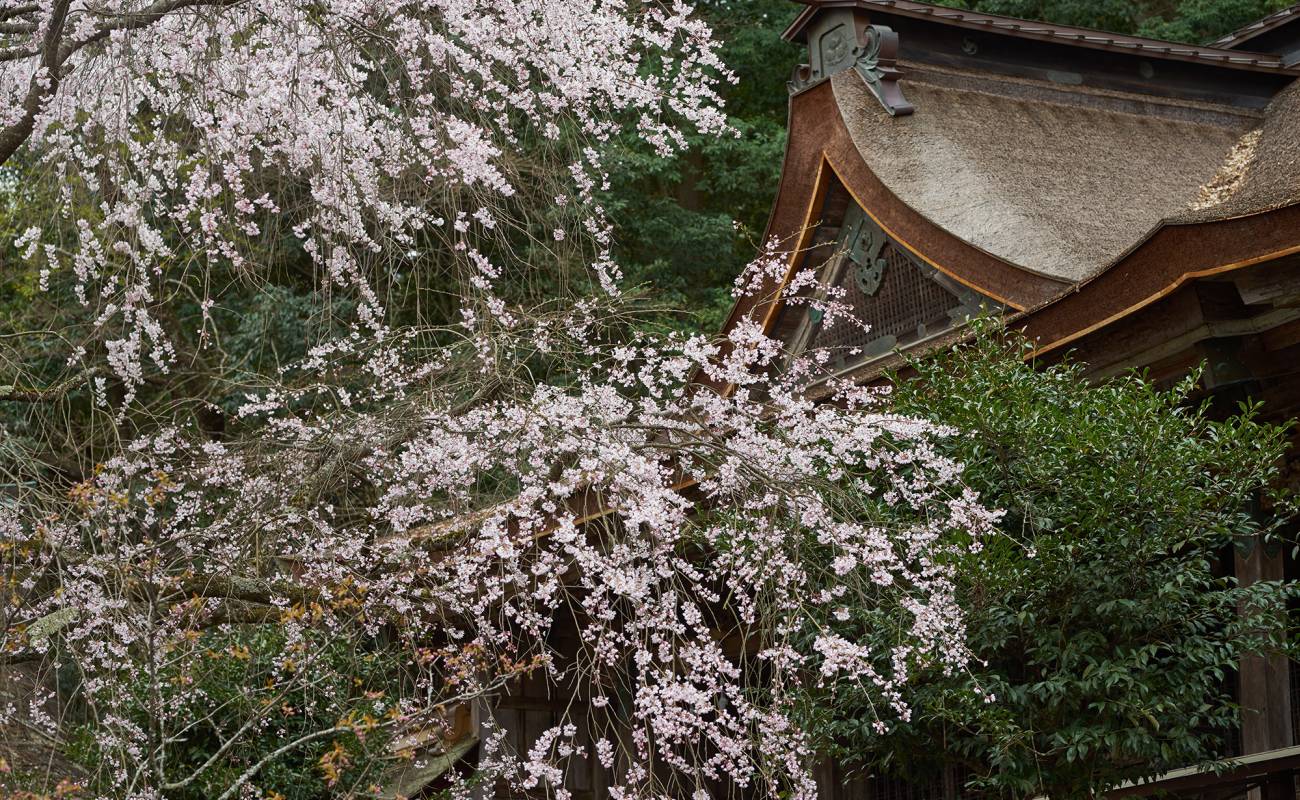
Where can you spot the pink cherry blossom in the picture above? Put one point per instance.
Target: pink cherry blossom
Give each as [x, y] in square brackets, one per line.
[684, 542]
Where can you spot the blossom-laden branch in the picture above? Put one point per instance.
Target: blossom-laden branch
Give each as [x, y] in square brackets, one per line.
[44, 81]
[421, 508]
[195, 126]
[800, 497]
[59, 43]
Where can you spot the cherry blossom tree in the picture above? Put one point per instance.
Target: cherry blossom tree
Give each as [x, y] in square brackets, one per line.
[434, 496]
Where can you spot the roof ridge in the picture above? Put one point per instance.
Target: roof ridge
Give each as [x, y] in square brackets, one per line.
[1253, 29]
[916, 72]
[1030, 29]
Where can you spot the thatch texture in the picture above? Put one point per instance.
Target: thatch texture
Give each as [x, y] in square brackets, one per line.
[1060, 180]
[1262, 172]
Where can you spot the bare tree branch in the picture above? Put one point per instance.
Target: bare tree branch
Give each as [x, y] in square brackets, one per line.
[43, 86]
[55, 52]
[21, 394]
[18, 11]
[279, 751]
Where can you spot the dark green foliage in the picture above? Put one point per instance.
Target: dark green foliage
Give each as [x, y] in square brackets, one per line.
[686, 227]
[1205, 20]
[1099, 617]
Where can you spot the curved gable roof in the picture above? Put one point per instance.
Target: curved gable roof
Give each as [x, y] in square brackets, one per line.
[1058, 183]
[1072, 185]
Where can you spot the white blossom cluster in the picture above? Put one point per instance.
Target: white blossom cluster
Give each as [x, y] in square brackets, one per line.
[359, 126]
[697, 541]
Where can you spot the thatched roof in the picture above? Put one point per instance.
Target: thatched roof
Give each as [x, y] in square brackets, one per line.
[1062, 181]
[1262, 171]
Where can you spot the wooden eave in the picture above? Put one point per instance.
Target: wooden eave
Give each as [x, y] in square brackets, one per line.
[1239, 37]
[1146, 303]
[1173, 255]
[1243, 772]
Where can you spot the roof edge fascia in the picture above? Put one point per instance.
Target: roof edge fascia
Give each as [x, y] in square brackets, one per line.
[1064, 35]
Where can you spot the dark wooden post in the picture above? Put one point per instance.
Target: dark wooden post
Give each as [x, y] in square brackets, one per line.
[1264, 680]
[1278, 786]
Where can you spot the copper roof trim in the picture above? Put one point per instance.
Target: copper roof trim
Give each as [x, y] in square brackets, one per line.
[1085, 37]
[1263, 25]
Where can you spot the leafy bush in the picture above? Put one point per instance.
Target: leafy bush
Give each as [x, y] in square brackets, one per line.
[1104, 614]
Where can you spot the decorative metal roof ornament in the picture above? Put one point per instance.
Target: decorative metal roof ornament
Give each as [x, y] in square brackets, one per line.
[877, 67]
[864, 241]
[841, 40]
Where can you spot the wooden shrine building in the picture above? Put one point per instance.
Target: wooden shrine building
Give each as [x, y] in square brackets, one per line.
[1131, 202]
[1137, 202]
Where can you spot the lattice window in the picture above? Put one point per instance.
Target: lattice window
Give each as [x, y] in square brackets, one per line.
[907, 306]
[900, 299]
